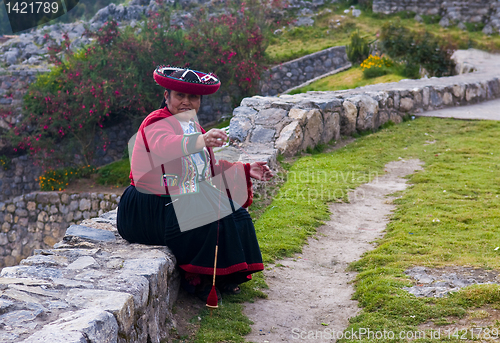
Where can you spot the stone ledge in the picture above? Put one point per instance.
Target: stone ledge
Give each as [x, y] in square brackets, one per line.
[313, 118]
[90, 288]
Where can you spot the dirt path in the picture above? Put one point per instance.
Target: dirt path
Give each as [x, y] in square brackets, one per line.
[312, 291]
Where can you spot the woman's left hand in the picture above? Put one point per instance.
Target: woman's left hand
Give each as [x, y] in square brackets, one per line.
[259, 171]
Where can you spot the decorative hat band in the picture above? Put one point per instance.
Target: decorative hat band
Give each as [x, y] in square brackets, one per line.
[186, 80]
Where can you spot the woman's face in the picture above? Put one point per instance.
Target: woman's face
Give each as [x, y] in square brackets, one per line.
[182, 104]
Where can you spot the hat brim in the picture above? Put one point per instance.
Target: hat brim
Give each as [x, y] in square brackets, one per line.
[162, 78]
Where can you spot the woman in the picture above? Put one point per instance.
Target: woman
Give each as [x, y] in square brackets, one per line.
[182, 198]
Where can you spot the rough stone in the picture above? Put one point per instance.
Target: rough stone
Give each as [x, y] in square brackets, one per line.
[406, 104]
[331, 130]
[90, 233]
[368, 109]
[271, 116]
[348, 118]
[262, 135]
[314, 125]
[239, 128]
[290, 139]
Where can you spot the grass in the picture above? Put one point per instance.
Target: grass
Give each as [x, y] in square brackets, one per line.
[300, 41]
[463, 161]
[115, 174]
[348, 79]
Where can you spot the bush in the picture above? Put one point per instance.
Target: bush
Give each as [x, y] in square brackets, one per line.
[57, 180]
[375, 66]
[4, 162]
[111, 80]
[358, 50]
[417, 50]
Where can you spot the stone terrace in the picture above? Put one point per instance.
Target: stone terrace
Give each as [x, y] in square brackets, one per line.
[92, 287]
[266, 126]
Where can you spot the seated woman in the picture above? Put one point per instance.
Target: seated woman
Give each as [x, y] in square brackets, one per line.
[181, 197]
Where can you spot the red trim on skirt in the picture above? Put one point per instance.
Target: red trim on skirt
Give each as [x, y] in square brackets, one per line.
[240, 267]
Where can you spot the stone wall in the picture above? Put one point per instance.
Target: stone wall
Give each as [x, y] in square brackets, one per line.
[287, 75]
[292, 123]
[38, 220]
[22, 175]
[91, 287]
[453, 12]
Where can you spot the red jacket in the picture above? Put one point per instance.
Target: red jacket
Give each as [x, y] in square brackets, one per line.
[161, 163]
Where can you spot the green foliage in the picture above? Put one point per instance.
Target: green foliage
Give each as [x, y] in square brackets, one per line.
[5, 162]
[58, 179]
[111, 81]
[431, 19]
[376, 66]
[415, 50]
[115, 174]
[474, 27]
[358, 50]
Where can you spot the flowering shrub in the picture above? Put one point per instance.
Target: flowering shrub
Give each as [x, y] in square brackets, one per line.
[111, 80]
[375, 66]
[231, 45]
[415, 50]
[57, 180]
[4, 162]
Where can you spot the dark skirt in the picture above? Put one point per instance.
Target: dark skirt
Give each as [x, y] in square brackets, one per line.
[144, 218]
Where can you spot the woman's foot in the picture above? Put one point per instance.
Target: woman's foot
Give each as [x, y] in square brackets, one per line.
[231, 288]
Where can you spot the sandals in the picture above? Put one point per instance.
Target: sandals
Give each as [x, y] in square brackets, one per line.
[231, 288]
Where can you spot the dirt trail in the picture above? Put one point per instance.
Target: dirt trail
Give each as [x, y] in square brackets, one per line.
[312, 292]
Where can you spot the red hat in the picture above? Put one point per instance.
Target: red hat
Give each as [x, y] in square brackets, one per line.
[186, 80]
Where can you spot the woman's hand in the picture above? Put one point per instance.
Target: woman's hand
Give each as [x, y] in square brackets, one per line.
[212, 139]
[259, 171]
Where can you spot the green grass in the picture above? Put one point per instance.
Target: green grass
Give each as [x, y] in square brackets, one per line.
[115, 174]
[348, 79]
[300, 41]
[464, 161]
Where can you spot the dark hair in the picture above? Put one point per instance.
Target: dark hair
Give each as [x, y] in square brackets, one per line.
[164, 103]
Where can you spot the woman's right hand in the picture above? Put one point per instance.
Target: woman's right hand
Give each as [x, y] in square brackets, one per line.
[212, 139]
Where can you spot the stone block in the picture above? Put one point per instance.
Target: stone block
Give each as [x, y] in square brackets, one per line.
[239, 128]
[368, 109]
[271, 116]
[73, 206]
[290, 139]
[447, 98]
[118, 303]
[90, 233]
[11, 208]
[65, 198]
[88, 325]
[43, 217]
[406, 104]
[262, 135]
[83, 262]
[348, 118]
[459, 91]
[299, 115]
[31, 206]
[85, 205]
[331, 127]
[5, 227]
[436, 99]
[313, 129]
